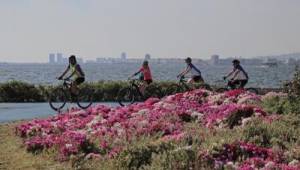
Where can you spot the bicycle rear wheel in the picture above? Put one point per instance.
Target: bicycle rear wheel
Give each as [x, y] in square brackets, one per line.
[85, 98]
[57, 99]
[221, 90]
[126, 96]
[173, 89]
[252, 90]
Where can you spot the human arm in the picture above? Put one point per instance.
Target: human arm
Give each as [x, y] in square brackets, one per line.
[229, 74]
[64, 73]
[138, 72]
[184, 72]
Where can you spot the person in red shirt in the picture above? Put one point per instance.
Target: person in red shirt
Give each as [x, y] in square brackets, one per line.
[145, 76]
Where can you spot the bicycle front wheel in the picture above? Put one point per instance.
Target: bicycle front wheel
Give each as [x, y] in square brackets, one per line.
[85, 98]
[57, 99]
[126, 96]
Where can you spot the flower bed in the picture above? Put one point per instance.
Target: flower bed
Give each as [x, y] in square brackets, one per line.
[103, 131]
[246, 156]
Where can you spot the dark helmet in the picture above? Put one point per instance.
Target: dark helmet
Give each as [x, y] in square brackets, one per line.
[235, 61]
[188, 60]
[145, 62]
[72, 57]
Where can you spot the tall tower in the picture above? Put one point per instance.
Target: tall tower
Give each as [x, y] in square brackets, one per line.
[214, 59]
[123, 56]
[59, 58]
[147, 57]
[51, 58]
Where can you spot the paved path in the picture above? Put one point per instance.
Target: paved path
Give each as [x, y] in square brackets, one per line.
[20, 111]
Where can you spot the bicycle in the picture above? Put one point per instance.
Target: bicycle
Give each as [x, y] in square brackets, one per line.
[129, 95]
[60, 95]
[227, 88]
[182, 86]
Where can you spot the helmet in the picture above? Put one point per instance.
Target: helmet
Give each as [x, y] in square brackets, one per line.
[188, 60]
[72, 57]
[145, 62]
[235, 61]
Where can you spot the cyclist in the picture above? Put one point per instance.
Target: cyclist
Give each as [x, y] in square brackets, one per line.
[195, 72]
[145, 76]
[76, 74]
[238, 76]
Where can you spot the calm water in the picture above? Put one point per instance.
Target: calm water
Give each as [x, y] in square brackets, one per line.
[45, 73]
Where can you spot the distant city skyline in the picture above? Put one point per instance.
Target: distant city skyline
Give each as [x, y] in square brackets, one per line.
[31, 29]
[290, 59]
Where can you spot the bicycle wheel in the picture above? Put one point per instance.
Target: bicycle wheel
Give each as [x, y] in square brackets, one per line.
[85, 98]
[221, 90]
[173, 89]
[152, 91]
[126, 96]
[57, 99]
[252, 90]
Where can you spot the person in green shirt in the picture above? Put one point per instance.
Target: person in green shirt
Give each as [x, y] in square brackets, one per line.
[76, 74]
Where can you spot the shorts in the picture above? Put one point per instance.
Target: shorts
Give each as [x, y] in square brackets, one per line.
[197, 78]
[148, 81]
[79, 80]
[237, 84]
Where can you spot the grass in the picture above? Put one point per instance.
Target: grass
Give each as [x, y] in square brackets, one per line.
[13, 156]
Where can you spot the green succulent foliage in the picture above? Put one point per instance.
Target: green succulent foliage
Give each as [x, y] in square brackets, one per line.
[282, 105]
[282, 133]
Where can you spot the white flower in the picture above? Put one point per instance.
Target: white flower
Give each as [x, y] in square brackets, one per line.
[69, 145]
[245, 121]
[294, 162]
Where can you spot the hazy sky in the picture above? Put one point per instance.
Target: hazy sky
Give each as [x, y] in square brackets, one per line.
[31, 29]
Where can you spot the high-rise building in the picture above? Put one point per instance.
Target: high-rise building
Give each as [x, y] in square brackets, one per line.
[59, 58]
[147, 57]
[214, 59]
[123, 56]
[52, 58]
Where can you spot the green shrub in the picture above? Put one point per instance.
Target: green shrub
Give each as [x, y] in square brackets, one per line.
[281, 105]
[293, 87]
[15, 91]
[282, 133]
[181, 159]
[135, 157]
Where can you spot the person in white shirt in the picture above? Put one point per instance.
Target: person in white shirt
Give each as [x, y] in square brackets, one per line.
[195, 72]
[239, 76]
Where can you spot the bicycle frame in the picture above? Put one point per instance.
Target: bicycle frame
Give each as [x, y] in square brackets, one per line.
[237, 86]
[134, 83]
[183, 82]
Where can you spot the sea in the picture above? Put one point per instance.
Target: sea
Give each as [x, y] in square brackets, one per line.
[260, 76]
